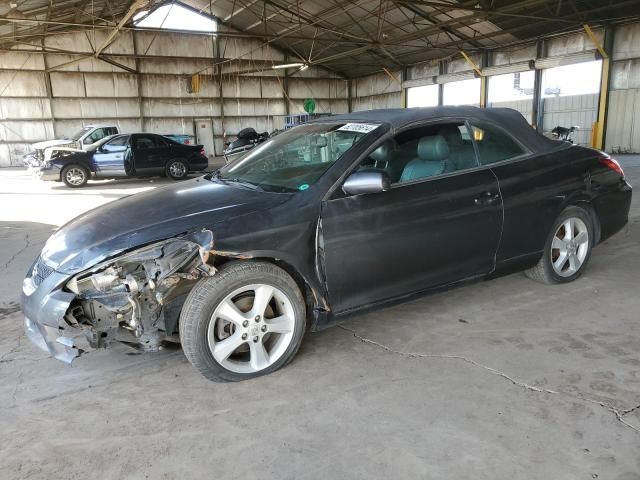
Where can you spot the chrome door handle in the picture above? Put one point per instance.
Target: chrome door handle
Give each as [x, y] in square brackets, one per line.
[486, 198]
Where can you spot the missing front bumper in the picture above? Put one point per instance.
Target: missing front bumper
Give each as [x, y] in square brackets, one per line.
[49, 340]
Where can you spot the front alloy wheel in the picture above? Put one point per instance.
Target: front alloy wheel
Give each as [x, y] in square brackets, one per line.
[251, 328]
[75, 176]
[245, 321]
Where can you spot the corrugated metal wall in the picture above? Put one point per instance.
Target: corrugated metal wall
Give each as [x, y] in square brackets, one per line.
[525, 107]
[623, 125]
[33, 109]
[156, 99]
[376, 91]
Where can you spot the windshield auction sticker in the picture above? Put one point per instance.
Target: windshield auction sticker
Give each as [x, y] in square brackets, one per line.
[359, 127]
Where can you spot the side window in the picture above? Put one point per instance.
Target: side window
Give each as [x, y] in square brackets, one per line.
[143, 142]
[494, 144]
[99, 134]
[158, 141]
[110, 131]
[117, 144]
[423, 152]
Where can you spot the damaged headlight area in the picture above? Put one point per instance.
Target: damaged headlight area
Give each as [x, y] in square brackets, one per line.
[136, 298]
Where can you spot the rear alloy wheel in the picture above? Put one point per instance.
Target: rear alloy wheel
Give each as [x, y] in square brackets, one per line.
[177, 169]
[567, 250]
[75, 176]
[245, 321]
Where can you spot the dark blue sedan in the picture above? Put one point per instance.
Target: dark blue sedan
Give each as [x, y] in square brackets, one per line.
[135, 155]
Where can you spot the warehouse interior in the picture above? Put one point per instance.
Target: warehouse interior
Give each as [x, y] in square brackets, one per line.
[63, 67]
[502, 379]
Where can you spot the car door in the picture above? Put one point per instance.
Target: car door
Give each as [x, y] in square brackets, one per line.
[439, 223]
[532, 186]
[112, 158]
[150, 153]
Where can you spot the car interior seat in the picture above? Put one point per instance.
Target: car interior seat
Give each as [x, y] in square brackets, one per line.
[433, 153]
[461, 153]
[382, 160]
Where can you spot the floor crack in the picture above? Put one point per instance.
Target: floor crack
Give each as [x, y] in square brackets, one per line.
[14, 349]
[27, 244]
[619, 414]
[630, 410]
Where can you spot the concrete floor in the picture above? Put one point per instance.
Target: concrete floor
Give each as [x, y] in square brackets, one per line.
[513, 380]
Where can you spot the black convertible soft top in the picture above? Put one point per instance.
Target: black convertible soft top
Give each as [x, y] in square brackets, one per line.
[509, 119]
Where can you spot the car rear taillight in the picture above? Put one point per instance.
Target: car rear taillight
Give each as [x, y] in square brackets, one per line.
[202, 152]
[613, 164]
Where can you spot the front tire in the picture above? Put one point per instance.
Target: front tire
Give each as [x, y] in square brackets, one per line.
[245, 321]
[177, 169]
[567, 249]
[75, 176]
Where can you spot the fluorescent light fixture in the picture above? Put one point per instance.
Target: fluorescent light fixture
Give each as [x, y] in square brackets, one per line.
[303, 68]
[289, 65]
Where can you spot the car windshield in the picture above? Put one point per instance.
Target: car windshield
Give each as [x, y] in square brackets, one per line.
[295, 159]
[76, 136]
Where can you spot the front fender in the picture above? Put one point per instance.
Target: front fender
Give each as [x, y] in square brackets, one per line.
[77, 159]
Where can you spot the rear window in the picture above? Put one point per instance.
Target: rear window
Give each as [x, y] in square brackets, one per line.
[494, 144]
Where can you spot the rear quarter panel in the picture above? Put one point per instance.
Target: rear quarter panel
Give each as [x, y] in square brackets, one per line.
[535, 190]
[611, 199]
[192, 154]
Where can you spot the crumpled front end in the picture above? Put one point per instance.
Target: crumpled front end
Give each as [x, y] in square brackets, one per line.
[54, 153]
[134, 298]
[44, 306]
[33, 159]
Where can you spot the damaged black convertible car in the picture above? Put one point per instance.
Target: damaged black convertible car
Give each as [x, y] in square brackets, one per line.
[332, 217]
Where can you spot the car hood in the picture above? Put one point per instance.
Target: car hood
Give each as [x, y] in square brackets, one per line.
[147, 217]
[51, 143]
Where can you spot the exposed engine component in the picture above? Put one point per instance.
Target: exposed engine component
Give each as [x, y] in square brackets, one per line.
[136, 298]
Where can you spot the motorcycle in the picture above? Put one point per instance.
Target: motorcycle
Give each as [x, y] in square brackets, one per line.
[564, 133]
[246, 140]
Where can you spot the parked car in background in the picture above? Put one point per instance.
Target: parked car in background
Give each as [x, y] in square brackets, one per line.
[130, 155]
[84, 139]
[302, 232]
[181, 138]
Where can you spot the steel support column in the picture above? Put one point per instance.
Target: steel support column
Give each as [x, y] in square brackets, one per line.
[484, 81]
[218, 77]
[138, 81]
[48, 87]
[405, 77]
[606, 51]
[442, 69]
[285, 88]
[537, 110]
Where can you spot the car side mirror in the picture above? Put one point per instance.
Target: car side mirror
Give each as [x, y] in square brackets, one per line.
[87, 141]
[366, 182]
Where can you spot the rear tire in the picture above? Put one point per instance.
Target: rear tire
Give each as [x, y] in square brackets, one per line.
[75, 176]
[177, 169]
[246, 321]
[567, 250]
